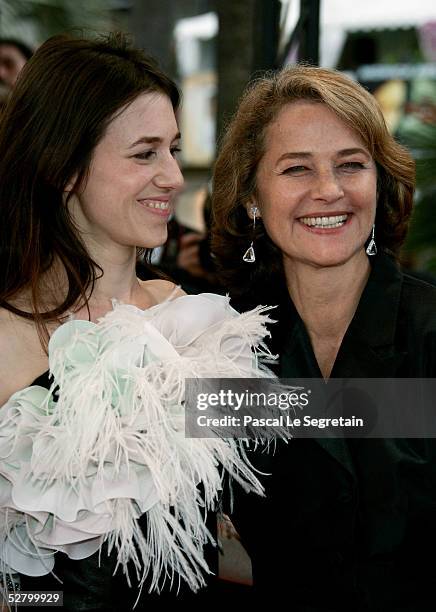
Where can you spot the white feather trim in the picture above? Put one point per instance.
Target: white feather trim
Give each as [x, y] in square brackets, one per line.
[81, 470]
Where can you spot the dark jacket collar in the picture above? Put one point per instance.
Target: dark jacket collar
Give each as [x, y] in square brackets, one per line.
[368, 349]
[370, 337]
[375, 320]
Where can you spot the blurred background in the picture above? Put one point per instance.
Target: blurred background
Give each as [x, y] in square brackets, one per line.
[213, 47]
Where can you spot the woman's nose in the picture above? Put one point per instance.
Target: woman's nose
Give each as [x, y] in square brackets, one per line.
[170, 176]
[327, 187]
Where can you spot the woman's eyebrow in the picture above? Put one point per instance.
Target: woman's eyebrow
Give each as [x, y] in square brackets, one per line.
[306, 154]
[152, 140]
[352, 151]
[294, 155]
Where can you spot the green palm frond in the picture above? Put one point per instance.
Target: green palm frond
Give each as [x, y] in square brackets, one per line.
[421, 139]
[422, 233]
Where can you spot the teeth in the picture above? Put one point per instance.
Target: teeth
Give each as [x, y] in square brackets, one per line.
[156, 204]
[320, 222]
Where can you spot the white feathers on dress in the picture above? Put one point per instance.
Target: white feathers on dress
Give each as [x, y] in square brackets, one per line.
[82, 462]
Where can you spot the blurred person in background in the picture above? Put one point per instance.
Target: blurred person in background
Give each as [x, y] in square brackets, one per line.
[96, 474]
[311, 203]
[13, 56]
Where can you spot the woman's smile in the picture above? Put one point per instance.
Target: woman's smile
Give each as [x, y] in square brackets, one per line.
[324, 223]
[156, 206]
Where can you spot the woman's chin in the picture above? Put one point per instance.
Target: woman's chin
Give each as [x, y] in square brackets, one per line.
[153, 242]
[334, 258]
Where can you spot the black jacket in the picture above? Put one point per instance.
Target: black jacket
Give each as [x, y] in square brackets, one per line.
[351, 524]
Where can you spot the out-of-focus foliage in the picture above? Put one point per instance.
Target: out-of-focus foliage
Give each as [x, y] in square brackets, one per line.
[420, 137]
[35, 20]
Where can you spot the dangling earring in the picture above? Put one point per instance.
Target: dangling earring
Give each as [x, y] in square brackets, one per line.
[249, 255]
[371, 249]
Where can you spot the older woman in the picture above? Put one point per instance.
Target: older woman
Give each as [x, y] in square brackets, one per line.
[315, 196]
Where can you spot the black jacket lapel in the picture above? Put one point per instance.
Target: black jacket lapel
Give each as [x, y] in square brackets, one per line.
[367, 351]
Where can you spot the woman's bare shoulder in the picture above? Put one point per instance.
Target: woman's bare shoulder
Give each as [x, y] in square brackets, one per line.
[22, 358]
[160, 290]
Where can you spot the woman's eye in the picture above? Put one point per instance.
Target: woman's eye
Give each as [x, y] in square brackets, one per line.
[295, 170]
[145, 155]
[175, 151]
[352, 165]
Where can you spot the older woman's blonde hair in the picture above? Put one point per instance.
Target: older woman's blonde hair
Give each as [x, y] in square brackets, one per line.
[243, 146]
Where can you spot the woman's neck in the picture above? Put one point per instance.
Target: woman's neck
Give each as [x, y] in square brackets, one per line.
[326, 300]
[118, 282]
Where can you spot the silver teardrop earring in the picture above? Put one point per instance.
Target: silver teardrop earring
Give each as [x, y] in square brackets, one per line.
[371, 249]
[249, 255]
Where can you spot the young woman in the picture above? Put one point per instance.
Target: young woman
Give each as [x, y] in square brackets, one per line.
[95, 470]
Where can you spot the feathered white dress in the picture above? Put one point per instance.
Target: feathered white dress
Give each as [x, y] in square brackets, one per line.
[80, 463]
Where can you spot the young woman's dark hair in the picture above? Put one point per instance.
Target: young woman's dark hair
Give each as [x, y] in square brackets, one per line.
[69, 91]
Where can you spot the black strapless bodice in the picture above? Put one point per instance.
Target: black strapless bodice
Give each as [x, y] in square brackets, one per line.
[43, 380]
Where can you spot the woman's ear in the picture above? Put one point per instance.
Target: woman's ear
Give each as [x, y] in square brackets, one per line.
[252, 209]
[69, 187]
